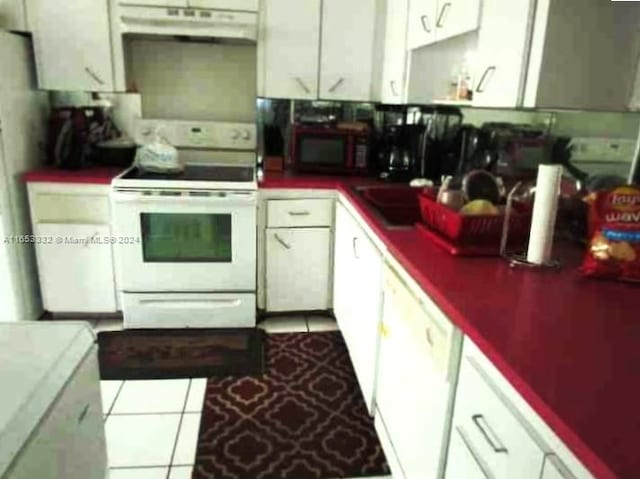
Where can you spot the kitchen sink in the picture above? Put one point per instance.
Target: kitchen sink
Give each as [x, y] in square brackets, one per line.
[396, 206]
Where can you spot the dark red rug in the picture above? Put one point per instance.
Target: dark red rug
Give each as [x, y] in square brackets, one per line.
[180, 353]
[304, 419]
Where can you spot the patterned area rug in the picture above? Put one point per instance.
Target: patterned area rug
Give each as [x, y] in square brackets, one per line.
[180, 353]
[304, 419]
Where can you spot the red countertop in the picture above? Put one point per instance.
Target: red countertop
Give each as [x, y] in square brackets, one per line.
[569, 345]
[101, 175]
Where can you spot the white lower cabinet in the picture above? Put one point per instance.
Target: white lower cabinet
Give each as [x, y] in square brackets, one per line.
[71, 223]
[496, 434]
[414, 393]
[357, 291]
[297, 268]
[76, 275]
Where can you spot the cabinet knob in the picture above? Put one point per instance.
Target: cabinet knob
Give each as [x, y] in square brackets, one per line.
[246, 135]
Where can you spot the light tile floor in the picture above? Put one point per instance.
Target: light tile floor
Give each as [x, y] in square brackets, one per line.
[152, 425]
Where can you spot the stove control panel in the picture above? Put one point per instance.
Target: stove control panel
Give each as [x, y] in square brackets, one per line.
[198, 134]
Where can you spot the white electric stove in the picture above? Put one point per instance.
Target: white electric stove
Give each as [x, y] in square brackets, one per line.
[185, 244]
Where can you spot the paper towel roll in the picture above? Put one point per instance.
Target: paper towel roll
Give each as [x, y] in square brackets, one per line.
[543, 219]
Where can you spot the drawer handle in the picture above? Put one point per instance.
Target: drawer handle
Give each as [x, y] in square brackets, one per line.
[481, 423]
[299, 213]
[354, 244]
[83, 414]
[281, 241]
[473, 452]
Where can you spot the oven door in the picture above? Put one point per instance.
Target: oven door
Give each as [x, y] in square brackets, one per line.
[174, 241]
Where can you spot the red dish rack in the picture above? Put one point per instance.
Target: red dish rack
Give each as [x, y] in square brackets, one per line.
[471, 235]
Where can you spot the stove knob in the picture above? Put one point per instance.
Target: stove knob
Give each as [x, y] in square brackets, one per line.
[235, 134]
[246, 134]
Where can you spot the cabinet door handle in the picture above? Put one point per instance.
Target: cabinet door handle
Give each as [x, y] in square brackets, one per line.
[392, 83]
[429, 337]
[445, 8]
[354, 244]
[281, 241]
[482, 424]
[483, 78]
[299, 213]
[425, 23]
[93, 75]
[336, 85]
[302, 85]
[83, 414]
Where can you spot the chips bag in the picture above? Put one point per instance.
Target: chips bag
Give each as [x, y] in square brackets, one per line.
[614, 249]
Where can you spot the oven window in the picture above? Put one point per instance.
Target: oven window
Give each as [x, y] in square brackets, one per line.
[186, 238]
[322, 150]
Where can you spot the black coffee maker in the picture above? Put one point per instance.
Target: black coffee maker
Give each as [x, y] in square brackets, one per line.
[416, 141]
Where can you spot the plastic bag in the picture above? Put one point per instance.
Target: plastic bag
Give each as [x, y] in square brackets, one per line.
[158, 156]
[614, 249]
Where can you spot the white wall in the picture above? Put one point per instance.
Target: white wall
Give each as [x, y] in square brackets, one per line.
[193, 81]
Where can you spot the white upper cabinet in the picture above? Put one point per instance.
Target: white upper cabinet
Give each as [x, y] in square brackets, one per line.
[435, 20]
[502, 46]
[346, 50]
[545, 55]
[422, 23]
[456, 17]
[290, 49]
[393, 82]
[72, 44]
[13, 16]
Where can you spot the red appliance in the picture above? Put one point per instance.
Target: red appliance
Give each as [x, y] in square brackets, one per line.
[325, 149]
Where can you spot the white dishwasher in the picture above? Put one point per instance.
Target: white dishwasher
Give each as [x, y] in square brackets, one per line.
[418, 359]
[51, 424]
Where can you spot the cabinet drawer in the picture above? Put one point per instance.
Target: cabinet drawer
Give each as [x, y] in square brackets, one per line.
[197, 310]
[71, 208]
[504, 444]
[295, 213]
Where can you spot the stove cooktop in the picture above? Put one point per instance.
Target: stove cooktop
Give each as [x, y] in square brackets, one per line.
[197, 173]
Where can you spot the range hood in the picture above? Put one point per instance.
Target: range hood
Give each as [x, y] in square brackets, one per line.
[200, 23]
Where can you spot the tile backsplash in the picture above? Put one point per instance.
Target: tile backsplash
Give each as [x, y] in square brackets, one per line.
[604, 141]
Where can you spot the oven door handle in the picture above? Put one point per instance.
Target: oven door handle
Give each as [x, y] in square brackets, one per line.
[192, 303]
